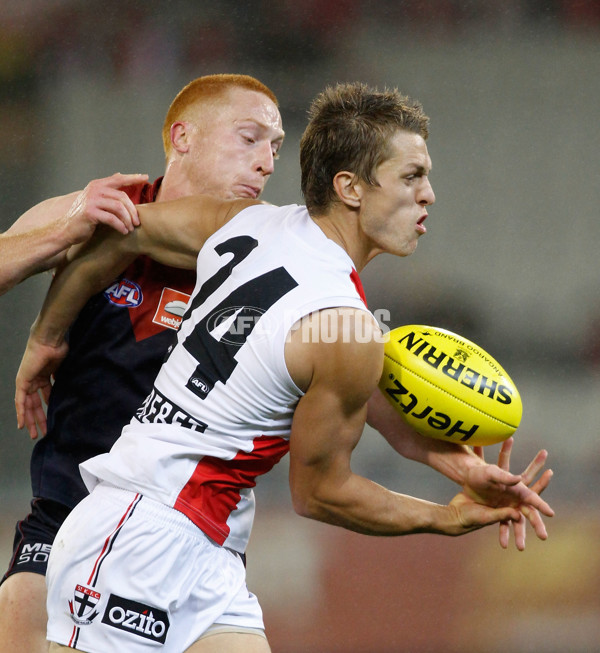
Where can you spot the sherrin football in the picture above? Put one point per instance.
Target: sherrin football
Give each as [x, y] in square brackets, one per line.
[446, 387]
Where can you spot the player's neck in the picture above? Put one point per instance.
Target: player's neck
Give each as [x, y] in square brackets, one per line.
[174, 184]
[343, 227]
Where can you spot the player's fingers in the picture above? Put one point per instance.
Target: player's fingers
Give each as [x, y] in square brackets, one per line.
[505, 514]
[534, 467]
[106, 194]
[504, 454]
[19, 408]
[542, 483]
[536, 521]
[29, 418]
[504, 534]
[119, 179]
[534, 501]
[132, 210]
[114, 214]
[123, 198]
[502, 476]
[31, 428]
[530, 496]
[520, 532]
[39, 415]
[21, 400]
[478, 451]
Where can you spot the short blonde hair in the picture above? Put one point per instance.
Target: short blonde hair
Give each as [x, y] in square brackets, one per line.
[207, 89]
[350, 129]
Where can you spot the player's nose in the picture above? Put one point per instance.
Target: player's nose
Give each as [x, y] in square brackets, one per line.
[426, 194]
[265, 161]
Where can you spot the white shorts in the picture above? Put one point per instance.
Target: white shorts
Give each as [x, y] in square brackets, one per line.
[127, 573]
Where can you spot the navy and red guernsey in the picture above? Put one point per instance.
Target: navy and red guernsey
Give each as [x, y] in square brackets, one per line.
[116, 348]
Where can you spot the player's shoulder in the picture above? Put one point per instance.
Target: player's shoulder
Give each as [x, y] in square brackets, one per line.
[231, 208]
[341, 346]
[344, 326]
[215, 211]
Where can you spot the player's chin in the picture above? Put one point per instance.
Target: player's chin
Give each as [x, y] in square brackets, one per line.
[407, 248]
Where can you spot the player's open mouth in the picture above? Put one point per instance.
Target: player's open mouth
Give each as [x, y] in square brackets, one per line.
[420, 226]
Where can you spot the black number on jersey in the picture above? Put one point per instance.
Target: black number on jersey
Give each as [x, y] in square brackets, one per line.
[242, 309]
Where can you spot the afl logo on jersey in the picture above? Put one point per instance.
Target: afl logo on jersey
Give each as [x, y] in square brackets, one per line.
[234, 324]
[124, 293]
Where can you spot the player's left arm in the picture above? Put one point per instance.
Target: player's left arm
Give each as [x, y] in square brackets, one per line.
[339, 377]
[486, 483]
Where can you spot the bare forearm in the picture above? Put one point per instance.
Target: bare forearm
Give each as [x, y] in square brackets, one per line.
[362, 506]
[450, 459]
[92, 268]
[365, 507]
[36, 242]
[24, 255]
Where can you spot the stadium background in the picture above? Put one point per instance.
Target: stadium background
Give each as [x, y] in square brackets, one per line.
[510, 260]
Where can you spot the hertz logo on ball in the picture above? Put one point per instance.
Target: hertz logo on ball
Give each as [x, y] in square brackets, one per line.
[448, 388]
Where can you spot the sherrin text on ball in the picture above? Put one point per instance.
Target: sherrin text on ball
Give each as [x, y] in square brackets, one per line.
[447, 387]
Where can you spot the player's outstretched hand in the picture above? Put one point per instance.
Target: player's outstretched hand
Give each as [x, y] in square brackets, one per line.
[529, 512]
[470, 515]
[103, 202]
[494, 485]
[34, 382]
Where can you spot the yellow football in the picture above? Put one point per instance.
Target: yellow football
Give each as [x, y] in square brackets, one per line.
[447, 387]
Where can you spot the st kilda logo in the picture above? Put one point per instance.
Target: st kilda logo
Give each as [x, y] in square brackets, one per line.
[83, 606]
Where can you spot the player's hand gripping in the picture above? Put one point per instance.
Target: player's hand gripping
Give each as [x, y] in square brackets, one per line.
[102, 202]
[494, 485]
[34, 382]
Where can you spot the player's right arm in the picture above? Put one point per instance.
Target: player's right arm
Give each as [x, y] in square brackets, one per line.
[40, 238]
[170, 232]
[339, 377]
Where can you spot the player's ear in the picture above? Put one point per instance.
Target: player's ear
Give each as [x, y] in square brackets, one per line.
[180, 136]
[348, 188]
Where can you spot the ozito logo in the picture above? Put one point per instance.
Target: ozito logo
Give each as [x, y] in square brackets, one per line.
[136, 618]
[83, 606]
[124, 293]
